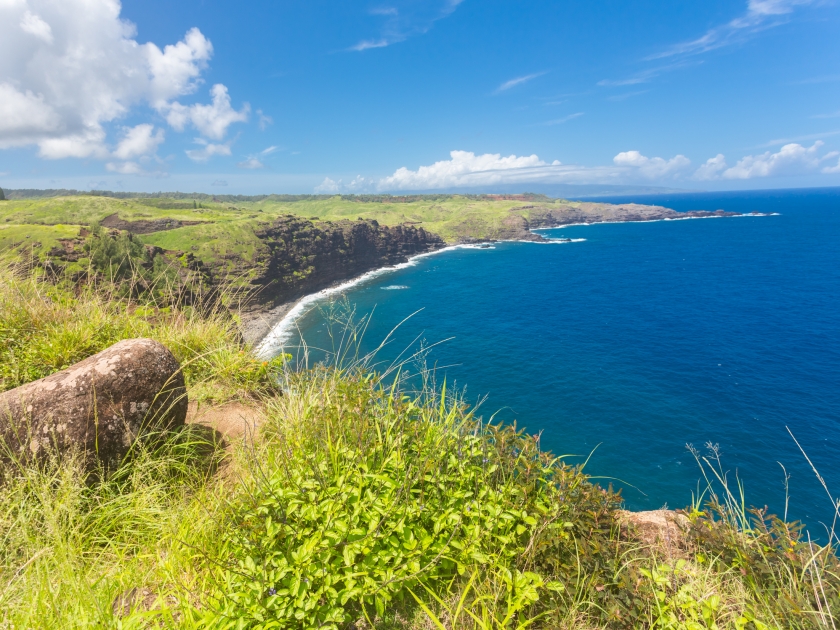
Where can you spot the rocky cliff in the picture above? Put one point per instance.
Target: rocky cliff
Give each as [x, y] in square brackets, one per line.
[302, 257]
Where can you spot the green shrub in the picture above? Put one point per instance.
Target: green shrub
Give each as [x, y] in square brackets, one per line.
[375, 497]
[118, 256]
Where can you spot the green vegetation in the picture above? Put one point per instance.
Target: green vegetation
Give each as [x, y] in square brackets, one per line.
[33, 240]
[46, 327]
[226, 233]
[361, 502]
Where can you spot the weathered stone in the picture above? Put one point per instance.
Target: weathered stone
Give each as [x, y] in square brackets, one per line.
[665, 531]
[98, 406]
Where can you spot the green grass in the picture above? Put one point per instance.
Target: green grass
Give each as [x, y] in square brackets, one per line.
[229, 229]
[229, 243]
[47, 327]
[38, 239]
[363, 502]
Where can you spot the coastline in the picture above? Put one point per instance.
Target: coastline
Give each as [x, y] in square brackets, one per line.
[268, 329]
[736, 216]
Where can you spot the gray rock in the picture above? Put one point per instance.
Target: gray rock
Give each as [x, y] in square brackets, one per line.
[98, 406]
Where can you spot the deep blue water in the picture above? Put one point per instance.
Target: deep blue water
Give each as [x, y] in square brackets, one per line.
[647, 337]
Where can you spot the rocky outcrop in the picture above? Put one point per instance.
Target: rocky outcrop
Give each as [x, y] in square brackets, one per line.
[143, 226]
[586, 212]
[303, 257]
[661, 531]
[98, 406]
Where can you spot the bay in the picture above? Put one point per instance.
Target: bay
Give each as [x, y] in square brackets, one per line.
[643, 338]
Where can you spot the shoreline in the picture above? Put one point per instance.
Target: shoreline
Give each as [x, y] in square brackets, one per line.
[278, 322]
[268, 329]
[737, 216]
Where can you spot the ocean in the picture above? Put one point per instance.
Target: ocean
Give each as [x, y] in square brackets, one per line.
[638, 339]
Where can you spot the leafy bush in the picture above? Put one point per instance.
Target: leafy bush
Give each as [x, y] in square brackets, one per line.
[377, 497]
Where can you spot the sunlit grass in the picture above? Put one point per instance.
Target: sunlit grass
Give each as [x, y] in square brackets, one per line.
[365, 501]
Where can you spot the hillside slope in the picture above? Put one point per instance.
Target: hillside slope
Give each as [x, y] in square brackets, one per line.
[283, 246]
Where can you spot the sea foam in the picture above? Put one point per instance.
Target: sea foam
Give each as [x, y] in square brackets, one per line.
[285, 328]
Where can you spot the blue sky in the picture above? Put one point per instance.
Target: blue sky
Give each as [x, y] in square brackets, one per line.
[326, 96]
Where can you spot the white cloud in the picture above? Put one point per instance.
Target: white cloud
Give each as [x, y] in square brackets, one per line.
[791, 159]
[465, 168]
[652, 168]
[774, 7]
[251, 163]
[832, 169]
[34, 25]
[356, 185]
[208, 150]
[68, 69]
[760, 15]
[518, 81]
[264, 120]
[139, 140]
[88, 142]
[645, 76]
[254, 162]
[404, 20]
[176, 69]
[24, 115]
[831, 115]
[327, 187]
[810, 136]
[367, 44]
[210, 120]
[565, 119]
[711, 169]
[125, 168]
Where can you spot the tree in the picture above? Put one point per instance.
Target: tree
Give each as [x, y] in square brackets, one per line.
[118, 256]
[2, 196]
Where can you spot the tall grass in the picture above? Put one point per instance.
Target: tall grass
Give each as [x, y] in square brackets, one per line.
[48, 326]
[367, 501]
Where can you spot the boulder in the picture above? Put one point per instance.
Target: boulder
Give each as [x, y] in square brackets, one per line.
[98, 406]
[663, 531]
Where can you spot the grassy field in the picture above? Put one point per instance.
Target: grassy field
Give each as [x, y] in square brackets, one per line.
[227, 229]
[364, 501]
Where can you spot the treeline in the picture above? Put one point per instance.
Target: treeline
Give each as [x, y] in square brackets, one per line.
[33, 193]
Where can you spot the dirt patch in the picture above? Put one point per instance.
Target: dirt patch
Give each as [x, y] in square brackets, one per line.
[233, 420]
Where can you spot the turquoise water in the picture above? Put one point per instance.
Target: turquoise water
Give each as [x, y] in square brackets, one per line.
[646, 337]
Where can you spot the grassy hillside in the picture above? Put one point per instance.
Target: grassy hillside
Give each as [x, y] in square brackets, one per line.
[453, 217]
[360, 503]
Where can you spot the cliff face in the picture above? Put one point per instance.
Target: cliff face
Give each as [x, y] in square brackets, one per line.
[303, 257]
